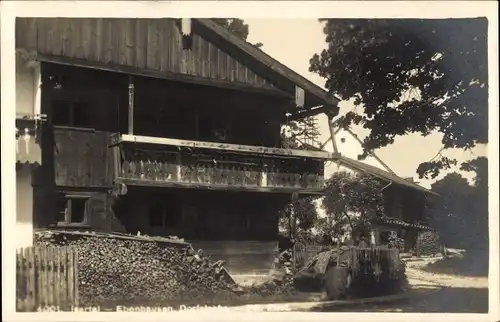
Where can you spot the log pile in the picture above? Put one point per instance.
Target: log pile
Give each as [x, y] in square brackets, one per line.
[429, 243]
[282, 281]
[127, 270]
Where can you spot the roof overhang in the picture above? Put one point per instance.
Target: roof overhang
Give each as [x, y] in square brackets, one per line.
[285, 82]
[395, 222]
[275, 72]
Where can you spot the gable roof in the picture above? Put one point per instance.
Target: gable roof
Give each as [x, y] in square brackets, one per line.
[156, 48]
[381, 174]
[320, 94]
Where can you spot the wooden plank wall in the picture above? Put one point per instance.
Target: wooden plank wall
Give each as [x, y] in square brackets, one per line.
[154, 44]
[82, 158]
[46, 279]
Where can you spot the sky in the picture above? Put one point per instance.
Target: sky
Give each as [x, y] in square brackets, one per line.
[293, 42]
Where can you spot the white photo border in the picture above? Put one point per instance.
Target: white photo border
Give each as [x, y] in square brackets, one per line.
[243, 9]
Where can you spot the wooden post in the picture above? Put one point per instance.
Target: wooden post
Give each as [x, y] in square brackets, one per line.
[332, 134]
[37, 87]
[372, 154]
[263, 177]
[178, 167]
[131, 89]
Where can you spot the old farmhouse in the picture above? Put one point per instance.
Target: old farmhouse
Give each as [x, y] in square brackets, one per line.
[164, 127]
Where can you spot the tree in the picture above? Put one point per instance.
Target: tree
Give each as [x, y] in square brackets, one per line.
[355, 199]
[462, 215]
[410, 76]
[237, 26]
[299, 216]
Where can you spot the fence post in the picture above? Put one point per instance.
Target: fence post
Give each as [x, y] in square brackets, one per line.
[31, 289]
[74, 253]
[20, 280]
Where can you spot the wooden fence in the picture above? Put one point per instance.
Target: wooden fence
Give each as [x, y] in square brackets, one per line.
[46, 279]
[302, 253]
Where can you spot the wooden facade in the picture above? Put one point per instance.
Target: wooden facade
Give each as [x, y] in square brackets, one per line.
[154, 132]
[151, 44]
[82, 158]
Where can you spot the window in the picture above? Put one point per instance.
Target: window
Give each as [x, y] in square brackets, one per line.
[67, 113]
[71, 210]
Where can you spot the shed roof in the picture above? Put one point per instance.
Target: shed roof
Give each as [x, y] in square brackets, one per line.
[381, 174]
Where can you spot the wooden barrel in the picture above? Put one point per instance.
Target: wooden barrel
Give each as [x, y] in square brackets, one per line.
[336, 282]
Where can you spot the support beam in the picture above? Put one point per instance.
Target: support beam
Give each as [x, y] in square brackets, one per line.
[131, 92]
[176, 77]
[372, 153]
[322, 146]
[332, 134]
[37, 89]
[308, 113]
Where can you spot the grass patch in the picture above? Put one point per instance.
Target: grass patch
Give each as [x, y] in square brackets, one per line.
[471, 264]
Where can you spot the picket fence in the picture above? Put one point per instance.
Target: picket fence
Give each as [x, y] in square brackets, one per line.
[46, 279]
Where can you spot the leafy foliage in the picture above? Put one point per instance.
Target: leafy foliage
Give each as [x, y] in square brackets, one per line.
[237, 26]
[410, 76]
[462, 215]
[352, 193]
[299, 216]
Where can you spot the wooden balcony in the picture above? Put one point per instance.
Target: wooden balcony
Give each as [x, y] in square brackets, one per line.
[173, 166]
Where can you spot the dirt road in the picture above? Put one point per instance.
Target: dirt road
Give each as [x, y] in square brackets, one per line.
[457, 294]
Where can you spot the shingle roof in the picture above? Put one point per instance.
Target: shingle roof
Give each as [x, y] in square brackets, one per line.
[401, 223]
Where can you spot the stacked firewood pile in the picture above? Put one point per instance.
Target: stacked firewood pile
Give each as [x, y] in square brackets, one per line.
[429, 243]
[282, 281]
[127, 270]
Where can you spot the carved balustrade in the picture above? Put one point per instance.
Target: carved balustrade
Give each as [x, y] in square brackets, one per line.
[217, 169]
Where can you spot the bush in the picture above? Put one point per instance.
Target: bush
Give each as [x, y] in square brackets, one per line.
[430, 243]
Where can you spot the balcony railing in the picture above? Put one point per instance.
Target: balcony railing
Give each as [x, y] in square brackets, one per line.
[218, 170]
